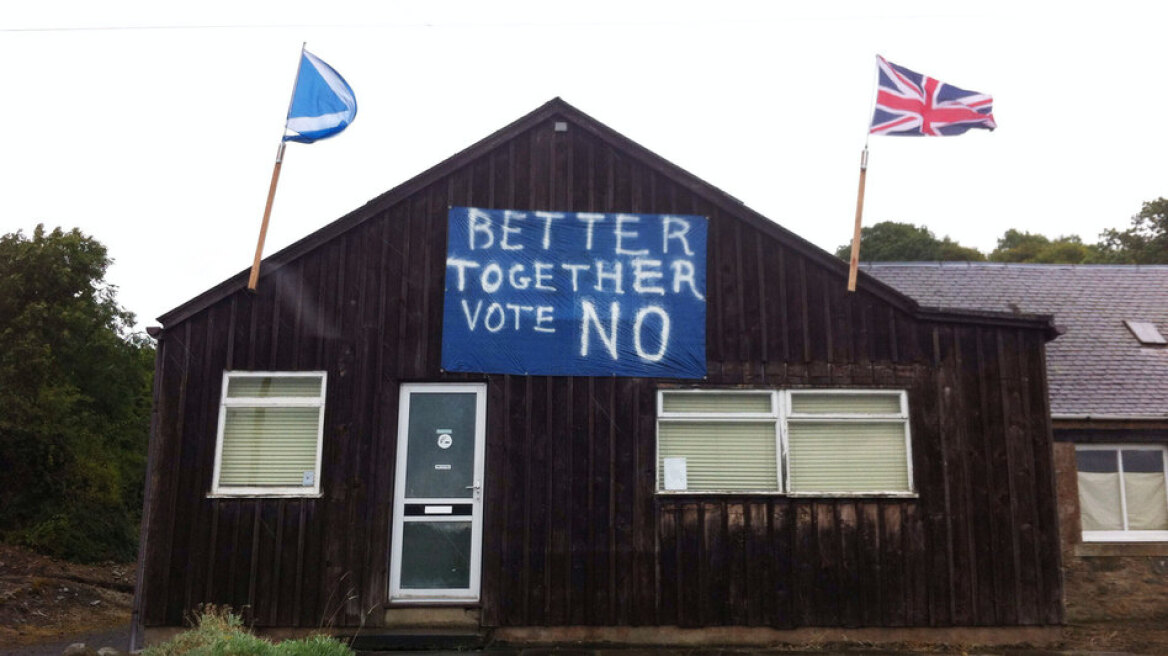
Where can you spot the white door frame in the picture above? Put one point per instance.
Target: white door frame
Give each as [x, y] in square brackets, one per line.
[471, 593]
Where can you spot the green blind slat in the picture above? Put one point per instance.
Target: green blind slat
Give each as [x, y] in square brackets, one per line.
[268, 447]
[848, 457]
[721, 456]
[265, 387]
[861, 404]
[727, 403]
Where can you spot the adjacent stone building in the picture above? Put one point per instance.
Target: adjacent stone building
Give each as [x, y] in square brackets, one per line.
[1108, 376]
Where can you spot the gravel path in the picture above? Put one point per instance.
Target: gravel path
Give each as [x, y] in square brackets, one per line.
[117, 638]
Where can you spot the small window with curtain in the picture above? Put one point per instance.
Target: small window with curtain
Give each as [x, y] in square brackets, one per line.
[270, 430]
[814, 442]
[1123, 492]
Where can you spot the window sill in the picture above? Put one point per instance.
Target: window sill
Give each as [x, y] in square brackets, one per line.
[666, 494]
[407, 602]
[265, 495]
[1098, 549]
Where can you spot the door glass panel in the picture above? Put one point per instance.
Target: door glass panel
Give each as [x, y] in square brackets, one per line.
[435, 555]
[441, 450]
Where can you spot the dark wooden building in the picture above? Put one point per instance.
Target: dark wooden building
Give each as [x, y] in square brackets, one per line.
[1108, 375]
[582, 538]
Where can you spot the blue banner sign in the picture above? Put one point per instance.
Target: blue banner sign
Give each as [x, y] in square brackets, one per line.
[575, 294]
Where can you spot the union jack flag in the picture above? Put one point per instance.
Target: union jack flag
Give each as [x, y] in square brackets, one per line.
[911, 104]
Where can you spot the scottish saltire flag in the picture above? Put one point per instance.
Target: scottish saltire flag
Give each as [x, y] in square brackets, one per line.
[911, 104]
[322, 103]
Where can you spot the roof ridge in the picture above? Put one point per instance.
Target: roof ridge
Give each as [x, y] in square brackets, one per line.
[952, 264]
[559, 108]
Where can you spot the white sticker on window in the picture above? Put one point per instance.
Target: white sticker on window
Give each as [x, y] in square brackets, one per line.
[675, 474]
[309, 479]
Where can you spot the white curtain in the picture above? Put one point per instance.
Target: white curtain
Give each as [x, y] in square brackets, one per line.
[1147, 503]
[1099, 501]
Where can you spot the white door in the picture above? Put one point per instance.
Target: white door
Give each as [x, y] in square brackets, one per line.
[436, 549]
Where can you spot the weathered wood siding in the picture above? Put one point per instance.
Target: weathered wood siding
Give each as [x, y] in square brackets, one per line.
[574, 533]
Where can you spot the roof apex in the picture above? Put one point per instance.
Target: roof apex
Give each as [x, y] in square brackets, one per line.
[558, 107]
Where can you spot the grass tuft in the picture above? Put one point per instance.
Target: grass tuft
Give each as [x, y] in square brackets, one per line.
[219, 632]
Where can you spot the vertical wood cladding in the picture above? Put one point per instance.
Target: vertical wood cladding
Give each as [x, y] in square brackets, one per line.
[574, 532]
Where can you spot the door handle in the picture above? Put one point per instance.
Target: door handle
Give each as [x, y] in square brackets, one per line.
[477, 487]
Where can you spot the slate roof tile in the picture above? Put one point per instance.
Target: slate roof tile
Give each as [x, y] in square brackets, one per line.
[1096, 367]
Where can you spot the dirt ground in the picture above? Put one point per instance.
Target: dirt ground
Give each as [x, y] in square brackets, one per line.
[46, 600]
[1144, 637]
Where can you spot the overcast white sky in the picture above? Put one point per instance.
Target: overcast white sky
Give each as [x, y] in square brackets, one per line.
[158, 137]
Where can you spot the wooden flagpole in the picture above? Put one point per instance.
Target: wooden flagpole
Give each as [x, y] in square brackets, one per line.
[854, 266]
[255, 265]
[254, 279]
[855, 262]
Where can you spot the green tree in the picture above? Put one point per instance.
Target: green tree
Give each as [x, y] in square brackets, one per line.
[1017, 246]
[889, 241]
[75, 389]
[1144, 242]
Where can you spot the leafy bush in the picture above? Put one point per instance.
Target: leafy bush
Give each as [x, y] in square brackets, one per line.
[219, 632]
[75, 388]
[85, 530]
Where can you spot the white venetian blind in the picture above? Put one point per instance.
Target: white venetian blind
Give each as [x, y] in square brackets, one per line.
[848, 457]
[266, 387]
[721, 456]
[269, 446]
[857, 404]
[720, 402]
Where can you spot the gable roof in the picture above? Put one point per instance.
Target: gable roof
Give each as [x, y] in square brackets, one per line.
[1097, 368]
[558, 109]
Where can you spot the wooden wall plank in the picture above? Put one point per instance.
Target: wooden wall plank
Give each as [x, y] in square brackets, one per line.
[848, 566]
[579, 511]
[1001, 500]
[758, 563]
[870, 593]
[737, 601]
[190, 485]
[1050, 548]
[559, 499]
[692, 567]
[644, 515]
[625, 481]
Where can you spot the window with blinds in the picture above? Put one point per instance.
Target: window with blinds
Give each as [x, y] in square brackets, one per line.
[848, 442]
[718, 441]
[1123, 492]
[270, 428]
[830, 442]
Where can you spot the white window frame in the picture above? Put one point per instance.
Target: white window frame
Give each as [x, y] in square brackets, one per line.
[269, 402]
[1126, 534]
[720, 417]
[857, 418]
[781, 414]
